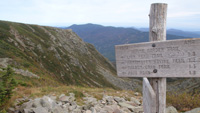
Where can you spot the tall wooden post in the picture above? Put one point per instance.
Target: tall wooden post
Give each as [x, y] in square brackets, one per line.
[157, 32]
[157, 60]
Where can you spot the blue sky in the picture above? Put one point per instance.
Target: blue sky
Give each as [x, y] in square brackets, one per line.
[182, 14]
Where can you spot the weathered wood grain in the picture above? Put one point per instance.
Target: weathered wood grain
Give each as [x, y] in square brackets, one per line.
[157, 32]
[174, 58]
[157, 22]
[149, 97]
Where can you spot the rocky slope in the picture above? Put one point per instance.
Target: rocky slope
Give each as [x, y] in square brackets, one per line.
[180, 85]
[68, 104]
[54, 56]
[90, 104]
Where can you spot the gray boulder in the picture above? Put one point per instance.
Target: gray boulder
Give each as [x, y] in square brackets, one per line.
[118, 99]
[90, 101]
[171, 109]
[88, 111]
[109, 100]
[27, 111]
[40, 110]
[31, 104]
[126, 105]
[136, 93]
[138, 109]
[46, 102]
[111, 108]
[135, 101]
[71, 108]
[64, 99]
[71, 97]
[58, 109]
[196, 110]
[93, 110]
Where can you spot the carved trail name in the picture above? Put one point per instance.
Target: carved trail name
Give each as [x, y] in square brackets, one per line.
[174, 58]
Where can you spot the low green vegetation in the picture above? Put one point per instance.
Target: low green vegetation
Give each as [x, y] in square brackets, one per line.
[184, 101]
[7, 84]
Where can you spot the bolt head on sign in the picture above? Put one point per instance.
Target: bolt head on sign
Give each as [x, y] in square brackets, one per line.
[172, 58]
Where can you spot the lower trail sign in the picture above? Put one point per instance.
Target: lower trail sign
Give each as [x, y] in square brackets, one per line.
[157, 60]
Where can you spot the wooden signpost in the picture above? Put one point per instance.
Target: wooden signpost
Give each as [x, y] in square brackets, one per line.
[157, 60]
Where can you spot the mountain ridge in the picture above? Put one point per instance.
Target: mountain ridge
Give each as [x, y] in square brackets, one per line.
[172, 31]
[56, 56]
[104, 38]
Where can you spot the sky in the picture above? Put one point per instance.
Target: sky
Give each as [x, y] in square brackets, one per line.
[182, 14]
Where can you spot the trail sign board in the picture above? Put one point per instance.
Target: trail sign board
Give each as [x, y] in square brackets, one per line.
[172, 58]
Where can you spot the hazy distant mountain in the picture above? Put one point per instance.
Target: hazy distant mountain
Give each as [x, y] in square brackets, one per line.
[177, 32]
[105, 38]
[197, 32]
[183, 33]
[144, 29]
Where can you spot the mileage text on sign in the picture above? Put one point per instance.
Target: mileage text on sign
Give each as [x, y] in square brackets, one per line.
[174, 58]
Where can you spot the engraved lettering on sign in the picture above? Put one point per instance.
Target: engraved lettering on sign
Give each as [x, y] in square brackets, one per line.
[189, 42]
[122, 62]
[143, 56]
[143, 62]
[149, 67]
[176, 58]
[122, 56]
[145, 72]
[164, 67]
[192, 72]
[132, 73]
[157, 55]
[137, 51]
[181, 60]
[175, 54]
[192, 59]
[130, 56]
[155, 50]
[173, 49]
[123, 47]
[190, 54]
[193, 66]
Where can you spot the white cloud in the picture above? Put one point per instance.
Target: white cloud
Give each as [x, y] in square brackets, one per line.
[119, 12]
[183, 14]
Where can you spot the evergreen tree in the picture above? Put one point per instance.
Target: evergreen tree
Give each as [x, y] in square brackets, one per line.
[8, 84]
